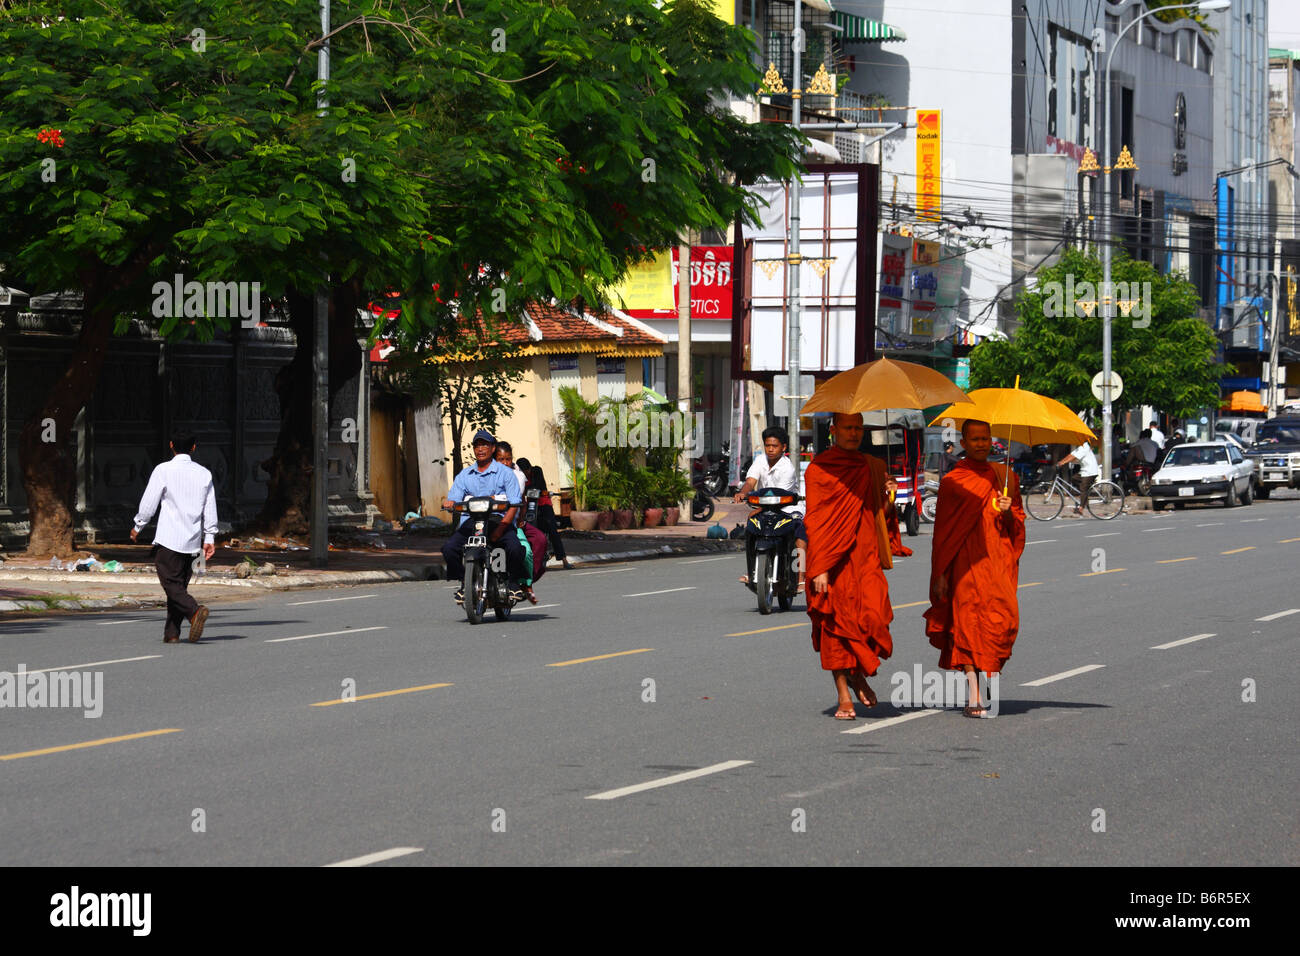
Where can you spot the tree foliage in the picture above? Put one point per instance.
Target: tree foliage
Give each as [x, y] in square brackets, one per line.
[1170, 364]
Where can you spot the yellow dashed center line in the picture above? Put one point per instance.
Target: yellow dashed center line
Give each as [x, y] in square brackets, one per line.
[89, 743]
[1031, 584]
[1091, 574]
[386, 693]
[1288, 540]
[764, 630]
[1238, 550]
[1174, 560]
[601, 657]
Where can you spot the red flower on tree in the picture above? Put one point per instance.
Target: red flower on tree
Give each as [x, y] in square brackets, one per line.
[53, 137]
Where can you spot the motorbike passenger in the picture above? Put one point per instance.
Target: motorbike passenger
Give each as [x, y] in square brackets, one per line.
[773, 470]
[485, 477]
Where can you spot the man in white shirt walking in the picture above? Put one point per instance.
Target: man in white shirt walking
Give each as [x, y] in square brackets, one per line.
[1157, 435]
[189, 513]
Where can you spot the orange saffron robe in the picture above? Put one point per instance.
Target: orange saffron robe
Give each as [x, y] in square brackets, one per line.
[980, 548]
[846, 537]
[896, 546]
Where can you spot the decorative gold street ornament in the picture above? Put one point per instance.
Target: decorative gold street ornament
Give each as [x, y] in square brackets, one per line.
[772, 82]
[1087, 306]
[1126, 306]
[1125, 160]
[769, 266]
[823, 84]
[820, 266]
[1089, 162]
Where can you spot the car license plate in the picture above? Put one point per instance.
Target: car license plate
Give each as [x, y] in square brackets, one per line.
[1186, 492]
[1272, 476]
[476, 541]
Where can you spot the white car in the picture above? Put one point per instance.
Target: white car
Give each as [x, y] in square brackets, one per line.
[1203, 471]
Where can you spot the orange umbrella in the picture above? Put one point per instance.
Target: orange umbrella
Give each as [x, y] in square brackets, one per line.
[883, 384]
[1020, 415]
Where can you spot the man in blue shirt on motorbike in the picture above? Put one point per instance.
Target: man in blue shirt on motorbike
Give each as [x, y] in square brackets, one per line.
[485, 477]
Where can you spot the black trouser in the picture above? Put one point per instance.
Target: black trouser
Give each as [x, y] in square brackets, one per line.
[453, 552]
[174, 570]
[546, 521]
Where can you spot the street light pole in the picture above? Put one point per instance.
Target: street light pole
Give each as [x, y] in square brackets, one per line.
[1107, 292]
[320, 358]
[793, 260]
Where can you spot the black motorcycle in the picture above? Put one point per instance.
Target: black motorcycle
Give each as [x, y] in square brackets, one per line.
[769, 536]
[702, 503]
[487, 583]
[712, 478]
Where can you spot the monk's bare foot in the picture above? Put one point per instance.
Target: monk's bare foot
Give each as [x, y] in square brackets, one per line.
[846, 711]
[864, 691]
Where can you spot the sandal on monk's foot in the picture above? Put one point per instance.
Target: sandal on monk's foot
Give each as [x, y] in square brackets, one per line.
[975, 711]
[846, 713]
[865, 694]
[744, 579]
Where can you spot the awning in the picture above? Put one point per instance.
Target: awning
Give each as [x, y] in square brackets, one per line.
[824, 150]
[861, 30]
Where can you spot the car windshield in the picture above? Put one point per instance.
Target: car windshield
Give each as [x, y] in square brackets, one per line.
[1278, 434]
[1197, 456]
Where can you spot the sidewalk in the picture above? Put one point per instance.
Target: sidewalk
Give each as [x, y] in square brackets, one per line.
[355, 557]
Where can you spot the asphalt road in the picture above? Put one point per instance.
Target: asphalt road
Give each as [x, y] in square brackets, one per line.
[524, 743]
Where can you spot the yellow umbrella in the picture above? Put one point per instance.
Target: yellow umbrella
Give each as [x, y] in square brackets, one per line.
[1020, 415]
[883, 384]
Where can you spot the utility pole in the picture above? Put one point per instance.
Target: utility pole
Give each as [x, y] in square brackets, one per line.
[684, 403]
[793, 260]
[320, 357]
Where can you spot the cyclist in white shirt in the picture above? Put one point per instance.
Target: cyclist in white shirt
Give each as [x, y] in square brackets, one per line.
[1089, 471]
[774, 470]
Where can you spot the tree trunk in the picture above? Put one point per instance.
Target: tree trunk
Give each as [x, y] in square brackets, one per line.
[287, 511]
[49, 468]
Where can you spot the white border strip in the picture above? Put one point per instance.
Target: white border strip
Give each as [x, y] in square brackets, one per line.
[1185, 640]
[353, 630]
[1274, 617]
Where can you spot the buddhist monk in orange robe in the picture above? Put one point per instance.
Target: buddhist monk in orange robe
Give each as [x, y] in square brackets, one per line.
[848, 548]
[979, 535]
[896, 546]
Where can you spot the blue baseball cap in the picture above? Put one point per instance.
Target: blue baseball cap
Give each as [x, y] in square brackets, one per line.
[483, 435]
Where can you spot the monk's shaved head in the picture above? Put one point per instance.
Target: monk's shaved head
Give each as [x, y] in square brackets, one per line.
[976, 439]
[846, 428]
[974, 421]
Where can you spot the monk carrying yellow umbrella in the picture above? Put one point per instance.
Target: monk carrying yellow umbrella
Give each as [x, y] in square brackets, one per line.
[979, 533]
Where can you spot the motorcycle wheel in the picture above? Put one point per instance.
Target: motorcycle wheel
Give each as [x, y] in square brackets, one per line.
[1144, 485]
[701, 508]
[928, 506]
[715, 485]
[475, 592]
[912, 521]
[763, 586]
[786, 596]
[503, 611]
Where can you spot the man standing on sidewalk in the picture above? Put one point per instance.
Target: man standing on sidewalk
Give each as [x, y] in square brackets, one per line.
[189, 513]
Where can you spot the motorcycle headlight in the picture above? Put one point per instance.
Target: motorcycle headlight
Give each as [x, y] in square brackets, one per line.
[480, 507]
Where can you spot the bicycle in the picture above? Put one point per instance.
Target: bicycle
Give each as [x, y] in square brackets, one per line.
[1045, 500]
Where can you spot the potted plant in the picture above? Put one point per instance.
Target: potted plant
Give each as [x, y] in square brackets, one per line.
[575, 429]
[674, 488]
[623, 490]
[654, 503]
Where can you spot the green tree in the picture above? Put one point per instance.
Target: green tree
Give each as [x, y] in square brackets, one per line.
[473, 156]
[1166, 360]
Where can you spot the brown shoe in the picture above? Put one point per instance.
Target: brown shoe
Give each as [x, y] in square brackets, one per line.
[172, 640]
[196, 623]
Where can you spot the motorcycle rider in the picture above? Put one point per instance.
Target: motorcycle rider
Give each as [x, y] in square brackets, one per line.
[485, 477]
[773, 470]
